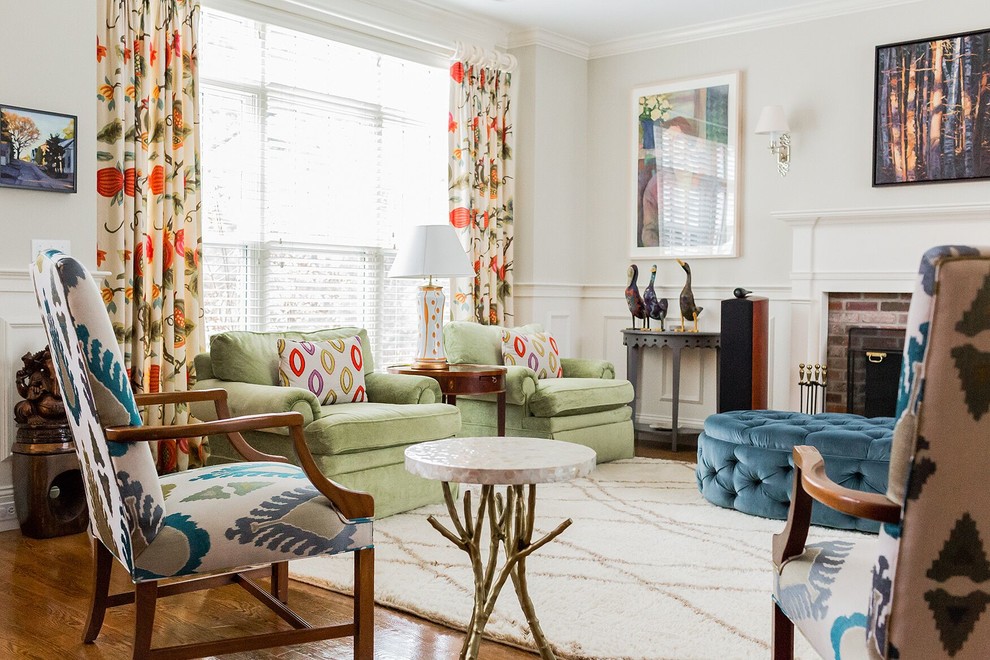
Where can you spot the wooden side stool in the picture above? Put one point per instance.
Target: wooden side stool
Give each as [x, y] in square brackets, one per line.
[48, 487]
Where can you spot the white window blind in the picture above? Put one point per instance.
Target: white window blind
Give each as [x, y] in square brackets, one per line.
[692, 189]
[316, 157]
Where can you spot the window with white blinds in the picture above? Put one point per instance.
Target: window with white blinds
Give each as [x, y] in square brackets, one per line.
[317, 155]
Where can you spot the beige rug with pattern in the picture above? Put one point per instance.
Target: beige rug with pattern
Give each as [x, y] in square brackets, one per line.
[649, 569]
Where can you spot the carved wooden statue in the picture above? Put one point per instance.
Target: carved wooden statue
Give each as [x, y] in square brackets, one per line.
[42, 404]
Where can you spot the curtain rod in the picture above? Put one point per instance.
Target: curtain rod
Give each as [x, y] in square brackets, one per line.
[476, 55]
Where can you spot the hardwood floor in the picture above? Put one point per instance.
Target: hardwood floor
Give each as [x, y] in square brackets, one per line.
[44, 599]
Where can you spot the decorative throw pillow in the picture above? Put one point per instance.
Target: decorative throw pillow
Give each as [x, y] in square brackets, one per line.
[538, 351]
[332, 369]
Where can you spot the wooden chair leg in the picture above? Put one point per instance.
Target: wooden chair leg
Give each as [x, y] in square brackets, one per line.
[145, 598]
[783, 635]
[280, 581]
[364, 604]
[102, 567]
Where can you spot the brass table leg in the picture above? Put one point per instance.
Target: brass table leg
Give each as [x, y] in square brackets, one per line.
[510, 524]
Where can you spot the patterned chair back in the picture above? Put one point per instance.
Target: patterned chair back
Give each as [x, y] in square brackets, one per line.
[126, 504]
[931, 582]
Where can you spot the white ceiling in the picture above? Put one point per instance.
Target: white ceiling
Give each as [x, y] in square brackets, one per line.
[598, 22]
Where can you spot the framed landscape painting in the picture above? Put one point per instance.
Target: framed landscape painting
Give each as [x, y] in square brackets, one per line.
[37, 150]
[931, 118]
[684, 164]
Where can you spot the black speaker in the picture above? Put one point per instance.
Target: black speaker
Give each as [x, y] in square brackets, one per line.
[743, 354]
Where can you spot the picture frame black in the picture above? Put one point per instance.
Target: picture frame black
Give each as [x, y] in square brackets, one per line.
[38, 149]
[931, 118]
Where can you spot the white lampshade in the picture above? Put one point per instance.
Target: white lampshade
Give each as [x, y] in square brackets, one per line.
[772, 120]
[431, 251]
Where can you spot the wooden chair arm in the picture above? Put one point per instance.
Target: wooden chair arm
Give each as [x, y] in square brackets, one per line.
[351, 504]
[811, 482]
[158, 398]
[231, 426]
[219, 397]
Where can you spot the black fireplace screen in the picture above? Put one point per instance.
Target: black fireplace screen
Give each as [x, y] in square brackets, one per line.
[874, 369]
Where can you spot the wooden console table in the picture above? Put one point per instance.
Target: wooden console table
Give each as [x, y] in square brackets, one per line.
[634, 340]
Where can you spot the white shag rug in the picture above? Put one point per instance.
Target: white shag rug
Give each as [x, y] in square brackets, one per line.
[649, 569]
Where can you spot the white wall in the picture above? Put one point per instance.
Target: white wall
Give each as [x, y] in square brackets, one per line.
[44, 74]
[822, 72]
[551, 96]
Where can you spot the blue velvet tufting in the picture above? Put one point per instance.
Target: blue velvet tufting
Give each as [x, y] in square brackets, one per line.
[744, 460]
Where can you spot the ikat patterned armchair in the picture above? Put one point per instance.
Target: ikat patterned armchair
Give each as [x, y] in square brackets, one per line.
[920, 589]
[211, 526]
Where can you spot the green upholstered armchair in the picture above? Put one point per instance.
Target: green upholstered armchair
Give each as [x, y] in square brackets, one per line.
[360, 445]
[588, 406]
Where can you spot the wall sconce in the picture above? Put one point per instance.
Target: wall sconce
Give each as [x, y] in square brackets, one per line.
[772, 121]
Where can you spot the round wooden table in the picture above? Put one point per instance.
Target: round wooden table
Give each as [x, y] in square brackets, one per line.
[458, 379]
[518, 464]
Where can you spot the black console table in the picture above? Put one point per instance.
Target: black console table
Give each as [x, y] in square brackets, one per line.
[634, 340]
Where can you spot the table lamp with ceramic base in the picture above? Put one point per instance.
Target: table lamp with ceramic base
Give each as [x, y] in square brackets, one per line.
[431, 251]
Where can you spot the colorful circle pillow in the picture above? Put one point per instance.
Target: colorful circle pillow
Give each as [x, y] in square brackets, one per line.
[332, 369]
[538, 351]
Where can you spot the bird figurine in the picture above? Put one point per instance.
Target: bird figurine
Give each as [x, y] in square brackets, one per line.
[633, 300]
[740, 292]
[655, 308]
[689, 310]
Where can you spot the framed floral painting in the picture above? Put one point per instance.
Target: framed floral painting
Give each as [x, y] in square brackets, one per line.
[685, 153]
[37, 149]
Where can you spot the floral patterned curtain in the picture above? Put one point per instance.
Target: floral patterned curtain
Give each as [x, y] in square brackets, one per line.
[481, 188]
[148, 209]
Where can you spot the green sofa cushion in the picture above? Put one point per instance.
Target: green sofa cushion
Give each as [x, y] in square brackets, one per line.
[251, 357]
[356, 427]
[476, 414]
[467, 342]
[571, 396]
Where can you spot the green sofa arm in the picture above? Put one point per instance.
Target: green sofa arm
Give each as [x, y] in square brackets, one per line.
[251, 399]
[581, 368]
[520, 384]
[204, 366]
[401, 388]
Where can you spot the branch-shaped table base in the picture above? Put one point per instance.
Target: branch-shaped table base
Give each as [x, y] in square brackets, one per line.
[510, 523]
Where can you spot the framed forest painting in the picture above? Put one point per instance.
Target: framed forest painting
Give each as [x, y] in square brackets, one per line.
[932, 110]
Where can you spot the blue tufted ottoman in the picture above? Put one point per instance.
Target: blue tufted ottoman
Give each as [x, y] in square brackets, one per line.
[744, 460]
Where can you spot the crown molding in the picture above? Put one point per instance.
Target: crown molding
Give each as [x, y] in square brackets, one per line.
[548, 39]
[760, 21]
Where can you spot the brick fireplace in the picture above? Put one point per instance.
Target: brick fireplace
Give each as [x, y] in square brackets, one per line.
[837, 262]
[879, 311]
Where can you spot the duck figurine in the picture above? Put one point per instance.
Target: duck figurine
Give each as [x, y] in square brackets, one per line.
[655, 308]
[633, 300]
[689, 310]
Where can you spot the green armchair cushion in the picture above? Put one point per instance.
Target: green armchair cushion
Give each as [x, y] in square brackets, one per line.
[251, 357]
[467, 342]
[557, 397]
[356, 427]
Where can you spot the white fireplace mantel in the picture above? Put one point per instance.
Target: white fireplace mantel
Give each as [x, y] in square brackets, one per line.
[864, 250]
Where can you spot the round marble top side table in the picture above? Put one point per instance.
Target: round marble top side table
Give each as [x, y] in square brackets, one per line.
[519, 464]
